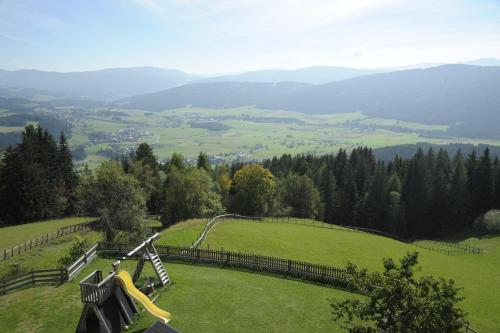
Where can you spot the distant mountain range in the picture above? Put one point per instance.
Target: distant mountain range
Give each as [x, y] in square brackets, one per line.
[112, 84]
[106, 84]
[311, 75]
[465, 97]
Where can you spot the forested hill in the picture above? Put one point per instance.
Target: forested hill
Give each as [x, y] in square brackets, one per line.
[312, 75]
[463, 96]
[408, 150]
[217, 95]
[21, 111]
[103, 84]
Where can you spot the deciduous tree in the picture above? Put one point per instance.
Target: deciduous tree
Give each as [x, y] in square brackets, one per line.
[116, 198]
[396, 301]
[251, 190]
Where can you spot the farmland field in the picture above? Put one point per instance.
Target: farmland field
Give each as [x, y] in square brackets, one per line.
[244, 133]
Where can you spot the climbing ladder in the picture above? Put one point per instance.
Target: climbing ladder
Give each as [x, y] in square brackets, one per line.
[148, 253]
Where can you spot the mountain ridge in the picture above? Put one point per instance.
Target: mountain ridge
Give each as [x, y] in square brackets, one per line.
[466, 97]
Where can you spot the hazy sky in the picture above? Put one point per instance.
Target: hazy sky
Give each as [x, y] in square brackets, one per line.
[216, 36]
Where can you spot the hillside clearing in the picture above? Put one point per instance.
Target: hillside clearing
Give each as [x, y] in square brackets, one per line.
[201, 299]
[478, 275]
[13, 235]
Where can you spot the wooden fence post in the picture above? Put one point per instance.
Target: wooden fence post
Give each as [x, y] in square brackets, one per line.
[32, 276]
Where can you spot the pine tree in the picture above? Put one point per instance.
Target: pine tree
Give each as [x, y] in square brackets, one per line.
[415, 195]
[144, 153]
[203, 163]
[484, 194]
[440, 178]
[67, 178]
[459, 197]
[396, 215]
[329, 195]
[348, 197]
[375, 205]
[30, 178]
[496, 193]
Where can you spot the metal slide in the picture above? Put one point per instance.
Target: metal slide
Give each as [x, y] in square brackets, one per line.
[125, 281]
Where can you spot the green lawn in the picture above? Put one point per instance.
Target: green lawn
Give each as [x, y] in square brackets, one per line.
[182, 234]
[46, 255]
[13, 235]
[205, 299]
[201, 299]
[478, 275]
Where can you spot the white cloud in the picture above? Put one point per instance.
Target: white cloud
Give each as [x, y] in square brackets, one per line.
[225, 18]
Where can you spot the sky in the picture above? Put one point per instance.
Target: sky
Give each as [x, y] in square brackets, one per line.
[222, 36]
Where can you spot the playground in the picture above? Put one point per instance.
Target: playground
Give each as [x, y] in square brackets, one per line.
[110, 301]
[229, 282]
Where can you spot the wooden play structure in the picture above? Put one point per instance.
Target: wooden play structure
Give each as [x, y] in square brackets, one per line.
[147, 252]
[109, 302]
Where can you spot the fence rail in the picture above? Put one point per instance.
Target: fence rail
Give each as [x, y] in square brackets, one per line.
[35, 276]
[44, 239]
[433, 245]
[81, 262]
[217, 219]
[52, 275]
[96, 290]
[305, 271]
[450, 249]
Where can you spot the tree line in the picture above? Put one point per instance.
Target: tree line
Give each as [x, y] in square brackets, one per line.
[37, 179]
[427, 195]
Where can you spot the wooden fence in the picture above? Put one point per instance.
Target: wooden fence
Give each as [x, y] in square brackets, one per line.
[94, 289]
[448, 248]
[81, 262]
[49, 237]
[214, 221]
[468, 328]
[305, 271]
[453, 249]
[53, 275]
[35, 276]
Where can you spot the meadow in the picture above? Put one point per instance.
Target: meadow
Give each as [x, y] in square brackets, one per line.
[11, 236]
[211, 299]
[478, 275]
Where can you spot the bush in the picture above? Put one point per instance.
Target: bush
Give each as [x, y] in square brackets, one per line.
[76, 251]
[14, 269]
[488, 223]
[189, 193]
[396, 301]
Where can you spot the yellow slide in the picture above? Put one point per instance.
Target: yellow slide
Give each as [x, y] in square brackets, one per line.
[125, 281]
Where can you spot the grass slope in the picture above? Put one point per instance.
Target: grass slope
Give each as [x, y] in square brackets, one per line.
[13, 235]
[47, 255]
[478, 275]
[204, 299]
[201, 299]
[182, 234]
